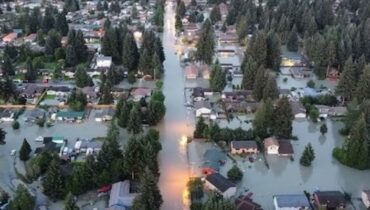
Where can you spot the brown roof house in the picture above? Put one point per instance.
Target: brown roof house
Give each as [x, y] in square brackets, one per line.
[244, 202]
[329, 200]
[244, 147]
[278, 147]
[191, 72]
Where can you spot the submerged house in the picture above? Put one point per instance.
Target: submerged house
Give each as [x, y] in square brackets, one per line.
[329, 200]
[121, 196]
[291, 202]
[244, 147]
[70, 116]
[220, 184]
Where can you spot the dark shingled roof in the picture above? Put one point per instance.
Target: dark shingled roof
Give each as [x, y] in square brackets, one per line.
[285, 147]
[289, 201]
[332, 199]
[220, 182]
[243, 144]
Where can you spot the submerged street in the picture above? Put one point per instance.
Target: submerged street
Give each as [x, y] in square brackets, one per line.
[174, 128]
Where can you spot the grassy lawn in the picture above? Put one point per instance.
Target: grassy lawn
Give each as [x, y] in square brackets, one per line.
[50, 97]
[50, 65]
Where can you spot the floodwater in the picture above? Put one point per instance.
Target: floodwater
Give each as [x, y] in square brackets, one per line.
[289, 177]
[176, 125]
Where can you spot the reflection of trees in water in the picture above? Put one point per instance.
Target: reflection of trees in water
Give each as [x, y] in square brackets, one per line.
[306, 173]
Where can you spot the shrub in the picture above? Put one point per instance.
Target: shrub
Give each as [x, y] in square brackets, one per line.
[15, 125]
[235, 174]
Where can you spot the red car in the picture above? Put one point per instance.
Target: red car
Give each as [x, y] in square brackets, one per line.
[105, 189]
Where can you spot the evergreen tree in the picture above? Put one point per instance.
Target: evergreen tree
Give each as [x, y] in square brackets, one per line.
[52, 42]
[71, 56]
[282, 119]
[124, 114]
[7, 66]
[130, 53]
[2, 136]
[71, 5]
[313, 113]
[262, 119]
[40, 39]
[31, 72]
[292, 43]
[217, 79]
[257, 48]
[215, 15]
[181, 9]
[323, 129]
[260, 84]
[61, 24]
[308, 156]
[363, 86]
[201, 129]
[273, 54]
[150, 196]
[134, 122]
[178, 23]
[82, 78]
[156, 111]
[22, 199]
[217, 202]
[206, 44]
[157, 66]
[235, 174]
[70, 203]
[271, 90]
[356, 146]
[249, 68]
[53, 183]
[24, 152]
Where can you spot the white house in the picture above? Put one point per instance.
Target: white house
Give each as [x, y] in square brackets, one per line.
[220, 184]
[103, 61]
[291, 202]
[365, 196]
[202, 108]
[271, 146]
[7, 116]
[247, 147]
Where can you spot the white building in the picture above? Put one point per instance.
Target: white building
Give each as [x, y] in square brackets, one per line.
[291, 202]
[271, 146]
[202, 108]
[103, 61]
[220, 184]
[365, 196]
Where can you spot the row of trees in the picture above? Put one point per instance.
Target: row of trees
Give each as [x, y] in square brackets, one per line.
[131, 115]
[273, 119]
[217, 134]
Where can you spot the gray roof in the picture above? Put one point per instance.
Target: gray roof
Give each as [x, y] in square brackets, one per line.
[244, 144]
[220, 182]
[296, 200]
[202, 104]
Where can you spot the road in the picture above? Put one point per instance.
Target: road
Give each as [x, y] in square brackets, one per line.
[174, 128]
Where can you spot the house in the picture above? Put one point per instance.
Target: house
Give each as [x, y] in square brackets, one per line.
[323, 110]
[31, 91]
[34, 115]
[298, 110]
[60, 91]
[285, 148]
[202, 108]
[212, 160]
[191, 71]
[198, 94]
[87, 146]
[70, 116]
[271, 145]
[10, 37]
[241, 107]
[228, 38]
[299, 73]
[103, 62]
[284, 93]
[291, 202]
[105, 115]
[6, 115]
[247, 147]
[220, 184]
[30, 38]
[121, 196]
[244, 202]
[139, 93]
[329, 200]
[337, 111]
[236, 96]
[365, 196]
[90, 93]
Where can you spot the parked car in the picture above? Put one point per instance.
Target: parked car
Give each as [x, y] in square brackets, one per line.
[12, 153]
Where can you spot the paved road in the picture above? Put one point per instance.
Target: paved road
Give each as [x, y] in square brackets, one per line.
[173, 158]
